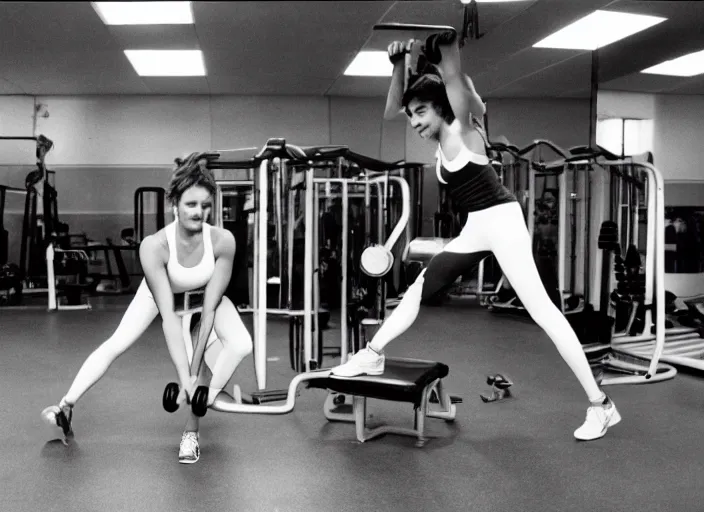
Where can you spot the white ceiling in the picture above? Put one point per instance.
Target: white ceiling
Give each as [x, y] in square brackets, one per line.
[303, 48]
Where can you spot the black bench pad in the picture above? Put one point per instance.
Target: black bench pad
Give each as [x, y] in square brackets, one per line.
[403, 380]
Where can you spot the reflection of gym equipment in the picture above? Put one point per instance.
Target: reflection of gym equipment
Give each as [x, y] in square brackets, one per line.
[606, 171]
[38, 227]
[404, 379]
[37, 231]
[146, 195]
[108, 283]
[10, 285]
[44, 236]
[684, 336]
[604, 359]
[4, 235]
[11, 282]
[68, 274]
[232, 214]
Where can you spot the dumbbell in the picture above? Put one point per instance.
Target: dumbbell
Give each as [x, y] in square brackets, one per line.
[500, 388]
[171, 392]
[199, 402]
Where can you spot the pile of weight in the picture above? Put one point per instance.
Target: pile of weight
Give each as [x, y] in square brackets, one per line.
[630, 287]
[10, 285]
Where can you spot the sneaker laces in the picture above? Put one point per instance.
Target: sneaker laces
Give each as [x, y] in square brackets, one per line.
[189, 442]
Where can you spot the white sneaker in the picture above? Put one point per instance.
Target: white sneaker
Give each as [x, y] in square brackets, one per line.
[364, 362]
[189, 452]
[599, 419]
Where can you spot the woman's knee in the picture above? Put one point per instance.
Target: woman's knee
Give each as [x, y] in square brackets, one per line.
[546, 315]
[229, 327]
[432, 286]
[418, 291]
[245, 346]
[240, 345]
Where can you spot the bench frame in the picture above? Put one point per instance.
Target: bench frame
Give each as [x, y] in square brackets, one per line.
[445, 411]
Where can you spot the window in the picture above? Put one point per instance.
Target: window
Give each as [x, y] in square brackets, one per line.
[625, 137]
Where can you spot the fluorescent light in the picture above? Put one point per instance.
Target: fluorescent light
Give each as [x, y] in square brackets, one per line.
[686, 65]
[366, 63]
[167, 62]
[598, 29]
[144, 13]
[491, 1]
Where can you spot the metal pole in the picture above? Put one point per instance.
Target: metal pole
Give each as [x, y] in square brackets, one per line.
[291, 242]
[278, 190]
[261, 306]
[308, 270]
[531, 200]
[380, 214]
[316, 262]
[561, 234]
[344, 343]
[656, 183]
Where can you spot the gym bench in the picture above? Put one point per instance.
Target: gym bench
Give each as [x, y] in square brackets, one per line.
[404, 380]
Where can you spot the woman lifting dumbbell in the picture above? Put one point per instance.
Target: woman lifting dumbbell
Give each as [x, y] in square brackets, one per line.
[446, 108]
[183, 257]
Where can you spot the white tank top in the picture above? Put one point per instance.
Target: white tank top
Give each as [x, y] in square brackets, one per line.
[185, 279]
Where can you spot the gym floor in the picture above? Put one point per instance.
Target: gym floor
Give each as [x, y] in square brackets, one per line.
[514, 455]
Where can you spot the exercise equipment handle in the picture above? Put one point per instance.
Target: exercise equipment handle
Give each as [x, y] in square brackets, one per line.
[285, 408]
[278, 148]
[378, 259]
[542, 142]
[585, 152]
[405, 210]
[510, 149]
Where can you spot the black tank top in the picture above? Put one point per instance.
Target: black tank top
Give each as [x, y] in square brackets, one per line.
[475, 186]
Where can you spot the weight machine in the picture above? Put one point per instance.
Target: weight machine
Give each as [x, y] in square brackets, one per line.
[419, 382]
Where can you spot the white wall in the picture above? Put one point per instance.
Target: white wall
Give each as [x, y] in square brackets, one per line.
[139, 130]
[679, 137]
[16, 120]
[107, 146]
[358, 123]
[625, 105]
[565, 122]
[118, 130]
[132, 130]
[247, 121]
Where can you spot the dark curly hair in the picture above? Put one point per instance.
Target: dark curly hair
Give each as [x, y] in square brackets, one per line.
[430, 88]
[191, 171]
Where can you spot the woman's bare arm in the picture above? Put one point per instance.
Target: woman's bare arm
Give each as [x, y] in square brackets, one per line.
[214, 291]
[152, 258]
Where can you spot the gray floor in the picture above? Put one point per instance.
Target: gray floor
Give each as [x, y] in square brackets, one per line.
[516, 455]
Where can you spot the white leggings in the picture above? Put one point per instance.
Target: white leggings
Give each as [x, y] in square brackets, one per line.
[500, 230]
[228, 344]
